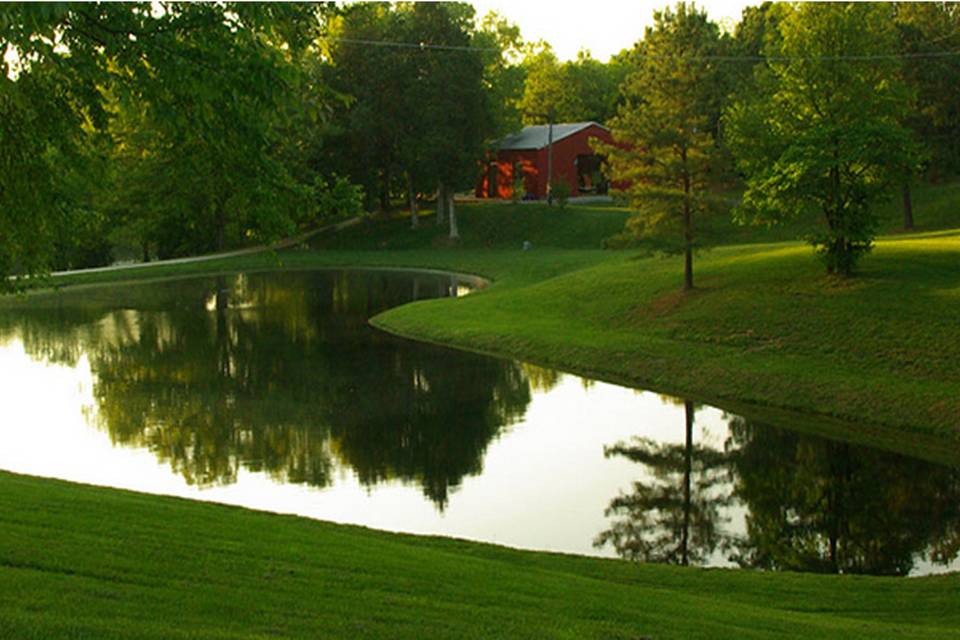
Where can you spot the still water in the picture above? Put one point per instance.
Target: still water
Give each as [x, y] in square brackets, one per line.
[271, 391]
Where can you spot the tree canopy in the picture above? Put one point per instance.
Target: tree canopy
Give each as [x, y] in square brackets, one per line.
[581, 90]
[180, 108]
[169, 129]
[823, 132]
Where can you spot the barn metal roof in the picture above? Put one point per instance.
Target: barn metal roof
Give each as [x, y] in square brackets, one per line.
[535, 136]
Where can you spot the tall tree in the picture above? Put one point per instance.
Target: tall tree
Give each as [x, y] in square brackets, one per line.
[377, 113]
[597, 84]
[580, 90]
[546, 96]
[500, 46]
[416, 110]
[452, 104]
[665, 146]
[207, 81]
[822, 136]
[757, 32]
[926, 32]
[42, 112]
[929, 35]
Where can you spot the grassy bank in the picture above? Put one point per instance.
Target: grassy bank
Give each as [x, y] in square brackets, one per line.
[764, 327]
[82, 562]
[765, 333]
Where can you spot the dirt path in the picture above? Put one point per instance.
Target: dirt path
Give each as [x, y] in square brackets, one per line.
[282, 244]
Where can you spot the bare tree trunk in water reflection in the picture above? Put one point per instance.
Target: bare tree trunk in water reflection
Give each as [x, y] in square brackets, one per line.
[673, 513]
[687, 469]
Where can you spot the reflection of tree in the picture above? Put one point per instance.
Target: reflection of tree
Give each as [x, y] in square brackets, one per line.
[674, 518]
[429, 417]
[541, 379]
[282, 374]
[820, 505]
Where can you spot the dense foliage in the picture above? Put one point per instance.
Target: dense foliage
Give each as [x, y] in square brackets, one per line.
[168, 129]
[160, 126]
[822, 133]
[828, 110]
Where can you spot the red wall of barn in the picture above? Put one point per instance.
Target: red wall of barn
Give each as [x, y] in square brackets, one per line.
[534, 164]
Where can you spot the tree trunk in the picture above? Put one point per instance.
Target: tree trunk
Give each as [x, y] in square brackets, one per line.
[687, 473]
[441, 202]
[907, 208]
[221, 223]
[454, 232]
[687, 229]
[385, 191]
[412, 196]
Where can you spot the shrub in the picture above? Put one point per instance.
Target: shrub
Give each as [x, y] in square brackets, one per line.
[560, 190]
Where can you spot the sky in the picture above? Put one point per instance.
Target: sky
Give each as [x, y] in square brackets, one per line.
[605, 27]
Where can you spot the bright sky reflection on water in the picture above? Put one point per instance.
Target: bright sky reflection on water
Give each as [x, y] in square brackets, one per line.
[544, 460]
[538, 479]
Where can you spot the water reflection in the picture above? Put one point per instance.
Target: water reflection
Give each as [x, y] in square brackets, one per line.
[676, 515]
[282, 375]
[810, 504]
[825, 506]
[232, 380]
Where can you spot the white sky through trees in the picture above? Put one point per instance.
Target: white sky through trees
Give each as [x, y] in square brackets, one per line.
[605, 27]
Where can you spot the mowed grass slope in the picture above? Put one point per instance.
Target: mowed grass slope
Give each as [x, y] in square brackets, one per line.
[83, 562]
[765, 329]
[765, 326]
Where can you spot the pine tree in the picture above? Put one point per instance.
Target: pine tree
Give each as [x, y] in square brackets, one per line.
[665, 133]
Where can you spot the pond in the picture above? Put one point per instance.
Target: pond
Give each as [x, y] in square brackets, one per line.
[270, 390]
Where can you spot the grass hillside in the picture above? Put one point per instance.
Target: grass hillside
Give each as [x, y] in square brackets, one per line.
[765, 330]
[489, 225]
[82, 562]
[765, 334]
[765, 327]
[503, 225]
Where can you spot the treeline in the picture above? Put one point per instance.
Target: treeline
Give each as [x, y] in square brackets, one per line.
[808, 112]
[178, 128]
[427, 88]
[175, 129]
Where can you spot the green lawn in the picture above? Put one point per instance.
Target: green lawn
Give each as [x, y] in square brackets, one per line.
[82, 562]
[766, 333]
[765, 328]
[874, 358]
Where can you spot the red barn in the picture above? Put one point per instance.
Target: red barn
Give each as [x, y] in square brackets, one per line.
[574, 161]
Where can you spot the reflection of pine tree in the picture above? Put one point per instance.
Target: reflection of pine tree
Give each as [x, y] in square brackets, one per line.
[676, 517]
[826, 506]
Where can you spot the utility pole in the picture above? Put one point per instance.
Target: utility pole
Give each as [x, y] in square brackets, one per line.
[550, 161]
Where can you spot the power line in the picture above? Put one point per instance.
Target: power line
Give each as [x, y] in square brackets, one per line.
[408, 45]
[653, 56]
[854, 57]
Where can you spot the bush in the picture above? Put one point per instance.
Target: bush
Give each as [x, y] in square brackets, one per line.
[338, 198]
[519, 190]
[560, 190]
